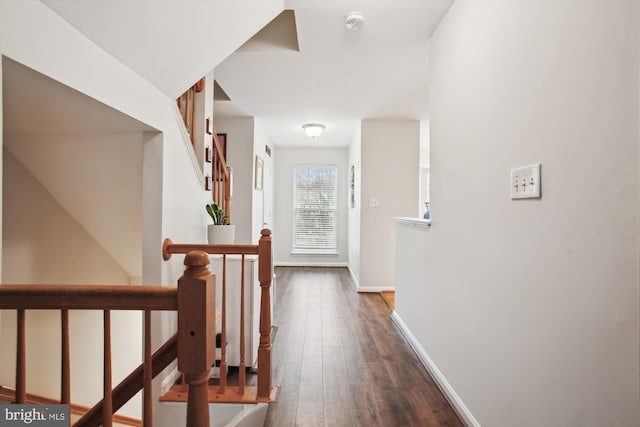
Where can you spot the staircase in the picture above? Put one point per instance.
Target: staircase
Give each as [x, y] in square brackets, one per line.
[193, 345]
[217, 172]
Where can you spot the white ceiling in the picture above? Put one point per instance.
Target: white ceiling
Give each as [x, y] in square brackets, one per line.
[338, 78]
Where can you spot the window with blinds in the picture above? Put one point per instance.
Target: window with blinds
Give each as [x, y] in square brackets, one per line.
[315, 205]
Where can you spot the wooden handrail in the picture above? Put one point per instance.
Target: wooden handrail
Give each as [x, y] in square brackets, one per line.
[87, 297]
[218, 151]
[169, 248]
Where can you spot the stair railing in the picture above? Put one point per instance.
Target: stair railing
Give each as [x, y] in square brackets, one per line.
[219, 182]
[194, 299]
[187, 106]
[221, 175]
[264, 390]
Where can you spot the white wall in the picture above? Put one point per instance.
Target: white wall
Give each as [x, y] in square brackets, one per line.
[78, 171]
[390, 172]
[355, 149]
[33, 35]
[530, 308]
[284, 160]
[44, 244]
[259, 196]
[240, 158]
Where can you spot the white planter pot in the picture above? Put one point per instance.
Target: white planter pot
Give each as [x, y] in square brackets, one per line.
[221, 234]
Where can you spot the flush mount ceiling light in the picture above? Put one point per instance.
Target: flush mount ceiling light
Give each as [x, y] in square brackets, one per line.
[313, 129]
[353, 20]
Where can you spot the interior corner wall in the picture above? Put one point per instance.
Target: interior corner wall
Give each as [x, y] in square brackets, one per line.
[354, 210]
[538, 298]
[285, 159]
[390, 155]
[240, 157]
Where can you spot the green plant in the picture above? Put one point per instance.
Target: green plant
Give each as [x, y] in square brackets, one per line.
[217, 214]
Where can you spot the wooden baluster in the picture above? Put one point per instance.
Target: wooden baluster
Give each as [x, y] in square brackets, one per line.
[223, 332]
[107, 407]
[192, 129]
[241, 368]
[148, 371]
[196, 334]
[188, 118]
[21, 359]
[216, 176]
[265, 275]
[227, 195]
[65, 382]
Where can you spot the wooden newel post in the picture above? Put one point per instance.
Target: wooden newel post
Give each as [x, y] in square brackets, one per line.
[265, 275]
[196, 334]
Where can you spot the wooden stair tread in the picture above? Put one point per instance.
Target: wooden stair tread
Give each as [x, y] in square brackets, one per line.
[178, 393]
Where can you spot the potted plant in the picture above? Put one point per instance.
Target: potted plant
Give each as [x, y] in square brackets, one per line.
[220, 232]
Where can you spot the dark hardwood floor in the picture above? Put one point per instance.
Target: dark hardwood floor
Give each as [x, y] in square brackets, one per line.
[339, 360]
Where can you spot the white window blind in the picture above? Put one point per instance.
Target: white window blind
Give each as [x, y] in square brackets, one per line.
[315, 206]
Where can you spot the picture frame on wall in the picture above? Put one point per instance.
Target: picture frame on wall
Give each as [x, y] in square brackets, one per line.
[259, 173]
[352, 186]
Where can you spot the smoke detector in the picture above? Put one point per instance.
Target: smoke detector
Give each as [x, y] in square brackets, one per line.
[353, 20]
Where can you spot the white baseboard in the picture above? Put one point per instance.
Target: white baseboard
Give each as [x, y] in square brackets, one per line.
[375, 289]
[354, 281]
[309, 264]
[169, 381]
[446, 388]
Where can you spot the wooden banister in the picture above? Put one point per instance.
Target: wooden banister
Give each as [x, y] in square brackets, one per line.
[169, 248]
[221, 173]
[265, 276]
[264, 391]
[87, 297]
[219, 182]
[196, 334]
[133, 383]
[188, 299]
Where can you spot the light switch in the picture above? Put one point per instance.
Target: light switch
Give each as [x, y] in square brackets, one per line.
[374, 202]
[525, 182]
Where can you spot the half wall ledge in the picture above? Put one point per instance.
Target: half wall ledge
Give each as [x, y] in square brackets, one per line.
[417, 222]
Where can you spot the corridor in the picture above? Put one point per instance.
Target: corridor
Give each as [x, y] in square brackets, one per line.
[339, 360]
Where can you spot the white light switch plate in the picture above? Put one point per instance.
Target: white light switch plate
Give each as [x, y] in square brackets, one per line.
[374, 202]
[525, 182]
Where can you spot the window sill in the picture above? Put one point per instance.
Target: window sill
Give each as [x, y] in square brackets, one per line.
[302, 252]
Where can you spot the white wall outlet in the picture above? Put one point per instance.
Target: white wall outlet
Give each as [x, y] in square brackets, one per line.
[525, 182]
[374, 202]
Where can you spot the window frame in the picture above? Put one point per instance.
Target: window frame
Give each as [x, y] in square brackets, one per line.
[315, 251]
